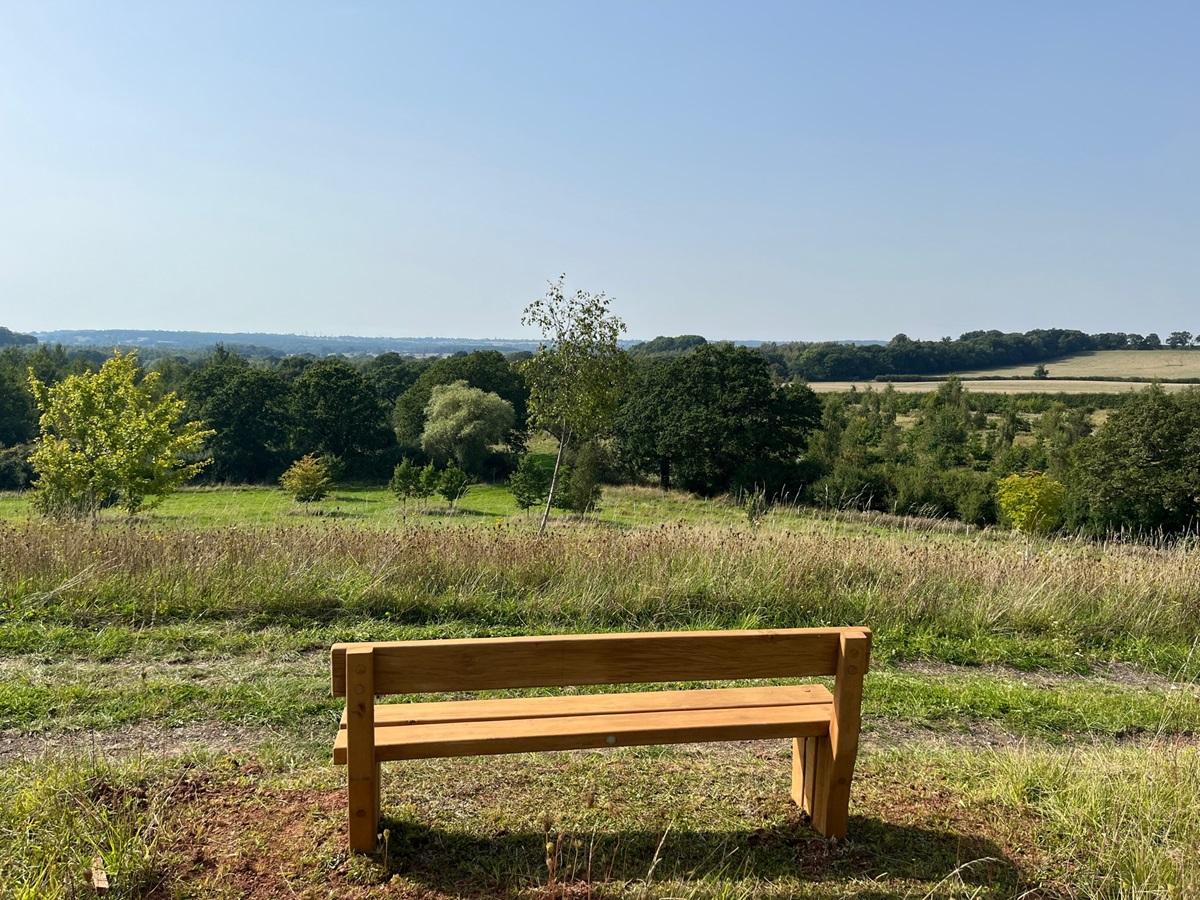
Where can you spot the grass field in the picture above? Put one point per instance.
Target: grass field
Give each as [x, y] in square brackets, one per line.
[376, 507]
[1054, 385]
[1030, 717]
[1144, 364]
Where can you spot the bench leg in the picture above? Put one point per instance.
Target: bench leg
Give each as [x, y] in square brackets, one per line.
[364, 809]
[820, 785]
[804, 770]
[822, 767]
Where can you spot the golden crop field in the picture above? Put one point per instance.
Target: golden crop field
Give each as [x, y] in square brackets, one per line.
[1113, 364]
[1005, 386]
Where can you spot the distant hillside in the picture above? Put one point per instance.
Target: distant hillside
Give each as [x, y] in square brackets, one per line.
[10, 338]
[279, 344]
[258, 343]
[666, 345]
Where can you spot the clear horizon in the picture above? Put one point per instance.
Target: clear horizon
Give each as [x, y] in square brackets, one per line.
[771, 172]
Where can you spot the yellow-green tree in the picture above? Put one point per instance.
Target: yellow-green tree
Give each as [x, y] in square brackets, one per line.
[307, 479]
[1031, 503]
[106, 439]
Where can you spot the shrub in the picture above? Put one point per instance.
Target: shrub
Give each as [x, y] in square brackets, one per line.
[921, 490]
[973, 501]
[430, 483]
[583, 484]
[1031, 503]
[453, 483]
[406, 481]
[15, 471]
[530, 484]
[307, 479]
[849, 486]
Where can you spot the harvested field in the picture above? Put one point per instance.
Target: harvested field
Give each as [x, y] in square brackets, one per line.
[999, 386]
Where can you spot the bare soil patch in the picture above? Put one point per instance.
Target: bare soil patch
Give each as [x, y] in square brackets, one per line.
[240, 839]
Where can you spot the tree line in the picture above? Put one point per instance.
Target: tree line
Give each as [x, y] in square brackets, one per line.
[710, 418]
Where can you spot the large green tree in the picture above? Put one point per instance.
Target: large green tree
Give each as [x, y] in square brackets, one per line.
[248, 408]
[578, 372]
[944, 424]
[107, 438]
[712, 420]
[1179, 339]
[487, 370]
[1140, 470]
[462, 423]
[336, 412]
[392, 374]
[18, 419]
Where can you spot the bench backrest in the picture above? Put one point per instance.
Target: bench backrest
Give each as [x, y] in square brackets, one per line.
[404, 667]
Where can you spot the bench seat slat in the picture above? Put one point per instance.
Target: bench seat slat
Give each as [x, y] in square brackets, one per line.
[392, 714]
[481, 738]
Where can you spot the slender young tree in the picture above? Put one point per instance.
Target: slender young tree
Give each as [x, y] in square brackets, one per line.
[576, 375]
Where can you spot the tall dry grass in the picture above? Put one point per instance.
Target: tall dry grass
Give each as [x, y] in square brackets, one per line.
[1124, 822]
[685, 576]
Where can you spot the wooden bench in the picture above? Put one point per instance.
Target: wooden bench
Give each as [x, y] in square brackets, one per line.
[823, 726]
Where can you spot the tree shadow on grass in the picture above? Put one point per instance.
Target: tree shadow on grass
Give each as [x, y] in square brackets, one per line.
[468, 864]
[323, 513]
[458, 512]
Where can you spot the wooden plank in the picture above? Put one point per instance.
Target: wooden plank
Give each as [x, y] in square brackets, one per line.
[581, 732]
[804, 781]
[359, 751]
[804, 769]
[812, 751]
[798, 747]
[560, 660]
[836, 765]
[394, 714]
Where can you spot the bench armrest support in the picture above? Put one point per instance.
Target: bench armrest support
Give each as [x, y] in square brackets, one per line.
[831, 811]
[362, 770]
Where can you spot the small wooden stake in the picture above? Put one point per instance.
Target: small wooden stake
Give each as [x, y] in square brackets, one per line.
[99, 876]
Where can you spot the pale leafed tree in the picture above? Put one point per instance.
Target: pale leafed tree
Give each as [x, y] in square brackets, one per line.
[576, 375]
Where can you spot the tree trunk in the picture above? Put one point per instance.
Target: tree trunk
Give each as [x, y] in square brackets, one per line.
[562, 443]
[664, 473]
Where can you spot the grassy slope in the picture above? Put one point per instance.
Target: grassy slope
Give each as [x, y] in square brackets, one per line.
[1056, 655]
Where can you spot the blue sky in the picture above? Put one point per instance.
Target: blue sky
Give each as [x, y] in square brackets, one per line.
[742, 170]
